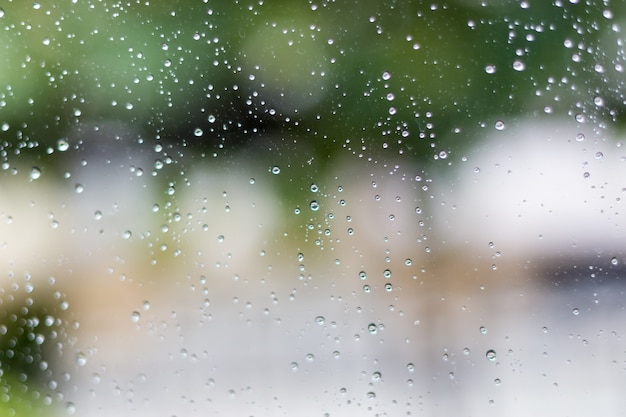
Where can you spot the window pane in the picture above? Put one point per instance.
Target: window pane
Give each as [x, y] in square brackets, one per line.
[318, 208]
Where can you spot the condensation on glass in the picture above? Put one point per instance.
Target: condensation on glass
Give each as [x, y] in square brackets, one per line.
[318, 208]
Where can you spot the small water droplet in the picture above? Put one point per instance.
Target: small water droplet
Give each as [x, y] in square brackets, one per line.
[363, 275]
[135, 317]
[35, 173]
[387, 273]
[81, 359]
[614, 261]
[62, 145]
[372, 328]
[314, 205]
[275, 170]
[491, 355]
[294, 366]
[519, 65]
[575, 311]
[490, 69]
[127, 234]
[320, 320]
[500, 125]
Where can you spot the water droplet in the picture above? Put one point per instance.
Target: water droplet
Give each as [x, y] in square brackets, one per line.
[372, 328]
[371, 395]
[135, 317]
[497, 382]
[62, 145]
[363, 275]
[519, 65]
[410, 367]
[310, 357]
[275, 170]
[35, 173]
[127, 234]
[314, 205]
[490, 69]
[500, 125]
[376, 376]
[387, 273]
[575, 311]
[614, 261]
[320, 320]
[1, 13]
[70, 408]
[388, 287]
[598, 101]
[294, 366]
[81, 359]
[78, 188]
[198, 132]
[491, 355]
[367, 289]
[386, 75]
[314, 188]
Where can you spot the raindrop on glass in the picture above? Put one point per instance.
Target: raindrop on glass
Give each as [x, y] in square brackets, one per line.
[35, 173]
[62, 145]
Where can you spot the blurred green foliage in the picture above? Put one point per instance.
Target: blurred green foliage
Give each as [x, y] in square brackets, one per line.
[239, 70]
[32, 333]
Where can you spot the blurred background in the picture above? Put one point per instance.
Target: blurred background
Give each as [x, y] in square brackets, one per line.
[326, 208]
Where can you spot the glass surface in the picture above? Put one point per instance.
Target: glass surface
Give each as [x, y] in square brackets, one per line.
[322, 208]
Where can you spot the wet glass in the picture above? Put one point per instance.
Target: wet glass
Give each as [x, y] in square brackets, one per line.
[312, 208]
